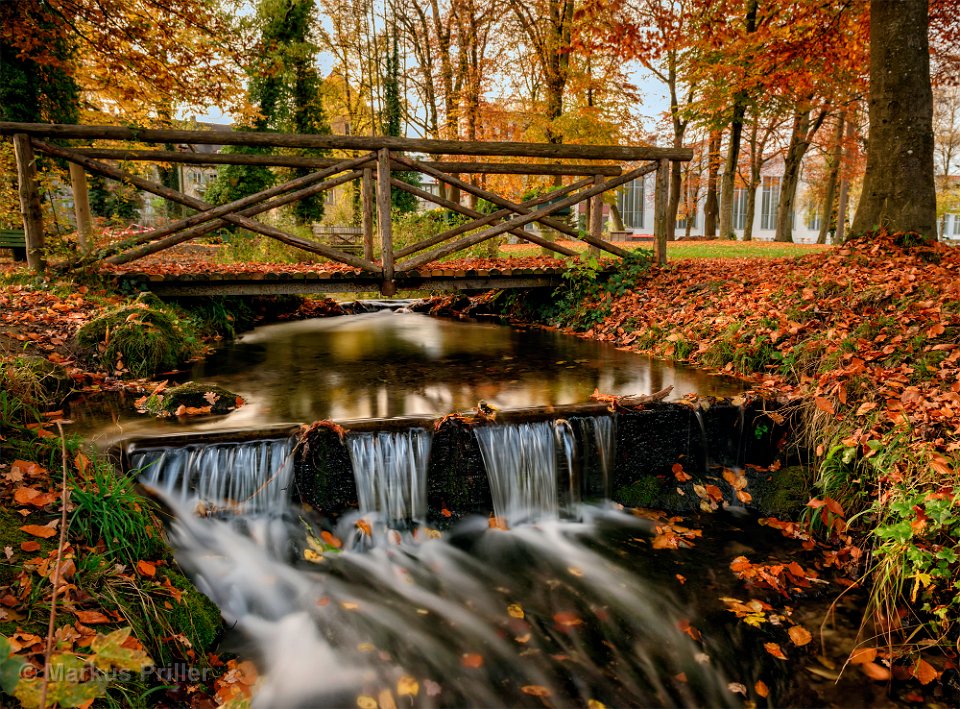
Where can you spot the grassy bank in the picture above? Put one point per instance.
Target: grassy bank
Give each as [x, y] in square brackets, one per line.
[863, 343]
[122, 602]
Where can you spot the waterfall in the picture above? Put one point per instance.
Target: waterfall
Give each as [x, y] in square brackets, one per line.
[252, 476]
[390, 470]
[600, 431]
[521, 464]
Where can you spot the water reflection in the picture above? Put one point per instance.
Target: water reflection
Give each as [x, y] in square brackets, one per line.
[387, 364]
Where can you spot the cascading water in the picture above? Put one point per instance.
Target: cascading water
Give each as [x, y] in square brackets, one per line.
[552, 613]
[521, 464]
[250, 477]
[390, 469]
[598, 457]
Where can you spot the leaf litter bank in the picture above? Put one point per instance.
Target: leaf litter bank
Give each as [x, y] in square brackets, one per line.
[862, 345]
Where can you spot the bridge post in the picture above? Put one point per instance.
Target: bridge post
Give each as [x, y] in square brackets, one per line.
[366, 192]
[388, 287]
[660, 212]
[29, 200]
[596, 217]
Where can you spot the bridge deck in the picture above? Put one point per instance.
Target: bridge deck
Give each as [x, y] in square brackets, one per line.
[275, 279]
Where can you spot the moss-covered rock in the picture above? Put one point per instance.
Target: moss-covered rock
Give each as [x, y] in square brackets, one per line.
[783, 493]
[35, 381]
[194, 397]
[652, 491]
[194, 616]
[143, 337]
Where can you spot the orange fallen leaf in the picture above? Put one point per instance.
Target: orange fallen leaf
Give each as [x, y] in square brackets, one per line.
[566, 619]
[679, 473]
[91, 617]
[824, 404]
[36, 530]
[761, 689]
[146, 568]
[925, 672]
[799, 635]
[33, 497]
[535, 690]
[30, 546]
[876, 672]
[862, 655]
[775, 650]
[472, 660]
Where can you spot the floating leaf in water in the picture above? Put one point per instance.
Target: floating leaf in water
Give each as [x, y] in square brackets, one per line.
[775, 650]
[515, 611]
[535, 690]
[737, 688]
[471, 659]
[876, 672]
[365, 702]
[595, 704]
[761, 689]
[799, 635]
[566, 619]
[407, 686]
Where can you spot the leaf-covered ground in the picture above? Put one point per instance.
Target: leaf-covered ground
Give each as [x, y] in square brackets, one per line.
[863, 343]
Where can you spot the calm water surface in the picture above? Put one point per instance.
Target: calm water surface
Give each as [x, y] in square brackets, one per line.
[387, 364]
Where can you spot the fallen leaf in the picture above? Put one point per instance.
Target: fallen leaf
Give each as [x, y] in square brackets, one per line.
[863, 655]
[407, 686]
[761, 689]
[535, 690]
[30, 546]
[775, 650]
[36, 530]
[875, 672]
[824, 404]
[566, 619]
[91, 617]
[799, 635]
[471, 660]
[925, 672]
[146, 568]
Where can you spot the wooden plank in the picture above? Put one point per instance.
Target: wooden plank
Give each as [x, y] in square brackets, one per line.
[473, 167]
[493, 231]
[660, 220]
[384, 205]
[367, 198]
[81, 206]
[348, 142]
[239, 220]
[29, 193]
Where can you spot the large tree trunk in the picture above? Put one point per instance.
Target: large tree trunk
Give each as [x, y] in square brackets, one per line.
[711, 207]
[679, 128]
[826, 210]
[898, 188]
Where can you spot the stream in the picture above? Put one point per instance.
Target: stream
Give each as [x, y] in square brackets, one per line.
[541, 592]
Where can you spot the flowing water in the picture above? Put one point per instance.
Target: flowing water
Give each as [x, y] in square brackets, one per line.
[553, 601]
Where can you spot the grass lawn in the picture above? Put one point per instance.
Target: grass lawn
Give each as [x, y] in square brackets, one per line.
[717, 248]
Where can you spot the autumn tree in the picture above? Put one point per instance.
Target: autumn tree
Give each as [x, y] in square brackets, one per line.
[898, 187]
[946, 126]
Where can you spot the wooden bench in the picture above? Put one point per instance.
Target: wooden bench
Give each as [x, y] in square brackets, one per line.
[348, 239]
[15, 240]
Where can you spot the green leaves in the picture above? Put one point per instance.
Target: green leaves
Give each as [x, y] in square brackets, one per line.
[11, 667]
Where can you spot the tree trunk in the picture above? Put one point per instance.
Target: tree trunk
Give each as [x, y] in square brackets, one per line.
[899, 193]
[733, 147]
[679, 127]
[826, 211]
[803, 131]
[616, 220]
[842, 200]
[711, 207]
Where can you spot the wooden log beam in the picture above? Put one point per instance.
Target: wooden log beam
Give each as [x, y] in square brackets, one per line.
[480, 219]
[367, 200]
[596, 218]
[242, 219]
[81, 206]
[194, 203]
[537, 215]
[473, 168]
[384, 205]
[211, 212]
[348, 142]
[540, 214]
[491, 197]
[29, 194]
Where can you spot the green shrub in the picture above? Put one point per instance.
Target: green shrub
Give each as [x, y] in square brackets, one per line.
[34, 381]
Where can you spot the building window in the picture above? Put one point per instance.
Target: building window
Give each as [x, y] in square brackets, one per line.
[631, 201]
[956, 224]
[770, 199]
[740, 208]
[813, 220]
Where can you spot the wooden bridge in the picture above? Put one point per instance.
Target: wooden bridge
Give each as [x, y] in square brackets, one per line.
[591, 171]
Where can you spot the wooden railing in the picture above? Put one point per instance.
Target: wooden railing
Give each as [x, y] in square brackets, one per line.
[379, 158]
